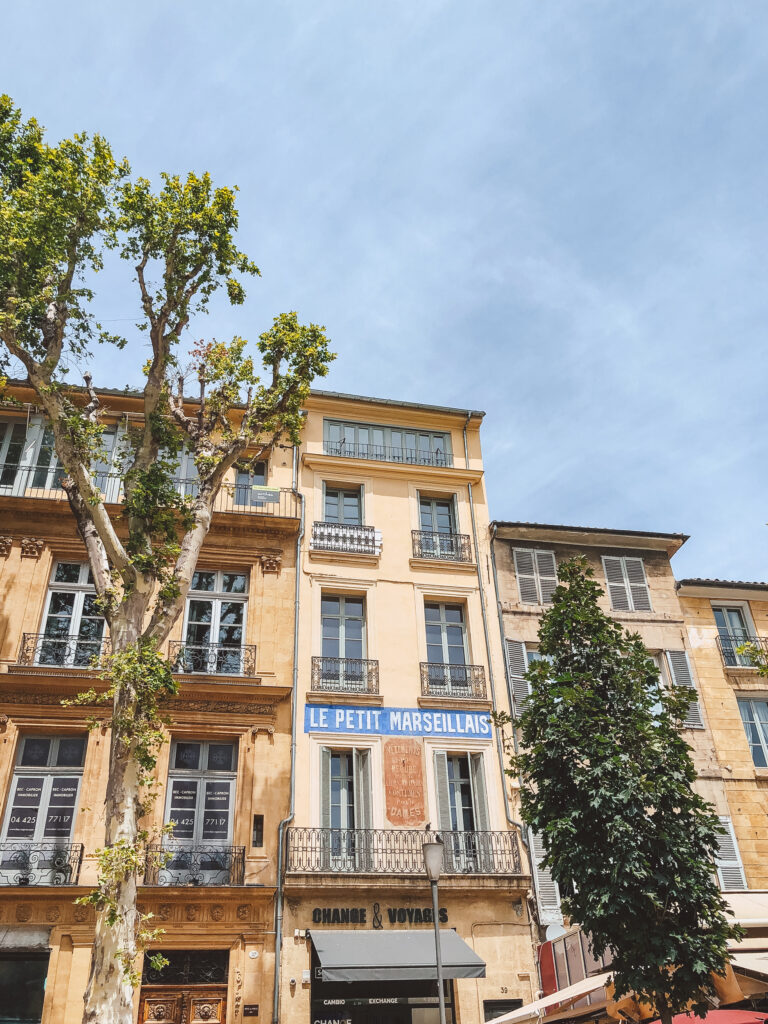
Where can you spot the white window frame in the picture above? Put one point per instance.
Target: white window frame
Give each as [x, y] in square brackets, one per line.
[216, 597]
[202, 776]
[80, 589]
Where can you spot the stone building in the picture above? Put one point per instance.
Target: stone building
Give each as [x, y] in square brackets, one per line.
[399, 666]
[224, 773]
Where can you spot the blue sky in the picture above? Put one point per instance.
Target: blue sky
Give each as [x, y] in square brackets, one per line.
[551, 210]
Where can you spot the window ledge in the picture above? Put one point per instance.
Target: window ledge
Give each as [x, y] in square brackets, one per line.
[350, 557]
[442, 564]
[466, 703]
[342, 697]
[761, 773]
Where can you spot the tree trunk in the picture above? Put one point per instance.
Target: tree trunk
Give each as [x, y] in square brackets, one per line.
[665, 1015]
[109, 995]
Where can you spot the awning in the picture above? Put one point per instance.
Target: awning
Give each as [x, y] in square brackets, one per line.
[754, 965]
[364, 955]
[559, 1000]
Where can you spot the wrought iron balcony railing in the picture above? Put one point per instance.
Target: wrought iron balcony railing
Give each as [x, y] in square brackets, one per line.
[347, 851]
[177, 864]
[349, 537]
[50, 863]
[349, 675]
[212, 659]
[385, 453]
[730, 644]
[72, 651]
[40, 482]
[438, 680]
[450, 547]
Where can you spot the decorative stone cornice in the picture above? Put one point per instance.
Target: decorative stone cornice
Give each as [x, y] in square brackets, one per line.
[6, 543]
[271, 561]
[32, 547]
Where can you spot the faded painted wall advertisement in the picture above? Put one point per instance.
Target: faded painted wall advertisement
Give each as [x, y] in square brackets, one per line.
[404, 782]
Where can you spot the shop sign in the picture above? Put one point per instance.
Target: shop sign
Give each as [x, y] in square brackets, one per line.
[343, 718]
[394, 915]
[251, 1010]
[404, 782]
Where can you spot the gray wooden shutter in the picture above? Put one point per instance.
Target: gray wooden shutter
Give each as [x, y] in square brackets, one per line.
[617, 587]
[680, 673]
[443, 794]
[547, 892]
[361, 782]
[525, 570]
[546, 568]
[325, 787]
[638, 585]
[478, 791]
[517, 664]
[730, 871]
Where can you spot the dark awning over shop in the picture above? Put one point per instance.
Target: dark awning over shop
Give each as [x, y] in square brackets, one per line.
[362, 955]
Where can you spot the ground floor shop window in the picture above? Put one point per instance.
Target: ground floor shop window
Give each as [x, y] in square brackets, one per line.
[379, 1002]
[493, 1008]
[22, 987]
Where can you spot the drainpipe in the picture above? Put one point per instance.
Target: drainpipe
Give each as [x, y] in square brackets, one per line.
[499, 750]
[294, 699]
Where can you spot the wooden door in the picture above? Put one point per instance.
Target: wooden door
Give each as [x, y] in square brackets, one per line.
[174, 1005]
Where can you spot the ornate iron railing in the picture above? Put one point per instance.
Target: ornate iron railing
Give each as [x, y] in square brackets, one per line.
[359, 540]
[398, 851]
[450, 547]
[350, 675]
[212, 659]
[50, 863]
[177, 864]
[385, 453]
[41, 482]
[438, 680]
[733, 657]
[62, 651]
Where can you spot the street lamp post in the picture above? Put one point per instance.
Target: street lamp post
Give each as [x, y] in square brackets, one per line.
[433, 863]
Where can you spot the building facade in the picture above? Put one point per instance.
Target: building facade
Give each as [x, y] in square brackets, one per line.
[224, 773]
[399, 667]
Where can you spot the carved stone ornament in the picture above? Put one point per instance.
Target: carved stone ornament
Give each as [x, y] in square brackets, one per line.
[52, 914]
[271, 561]
[192, 911]
[161, 1011]
[243, 912]
[23, 912]
[6, 543]
[164, 911]
[215, 706]
[32, 547]
[205, 1011]
[80, 913]
[217, 912]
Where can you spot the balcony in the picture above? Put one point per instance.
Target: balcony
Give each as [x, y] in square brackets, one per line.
[62, 651]
[50, 863]
[398, 852]
[729, 644]
[384, 453]
[345, 675]
[33, 482]
[439, 680]
[345, 537]
[212, 659]
[176, 864]
[448, 547]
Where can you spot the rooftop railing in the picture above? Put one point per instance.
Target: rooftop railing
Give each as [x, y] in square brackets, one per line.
[385, 453]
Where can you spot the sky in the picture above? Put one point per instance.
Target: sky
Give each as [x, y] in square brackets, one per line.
[551, 210]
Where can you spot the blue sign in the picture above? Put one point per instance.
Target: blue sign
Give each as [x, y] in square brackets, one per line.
[343, 718]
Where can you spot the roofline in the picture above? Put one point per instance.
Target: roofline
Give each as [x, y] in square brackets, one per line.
[721, 584]
[682, 537]
[397, 403]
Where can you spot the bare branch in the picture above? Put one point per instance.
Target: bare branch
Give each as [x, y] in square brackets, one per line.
[91, 410]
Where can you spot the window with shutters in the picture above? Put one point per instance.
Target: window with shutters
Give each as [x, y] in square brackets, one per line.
[214, 623]
[73, 627]
[536, 573]
[519, 657]
[678, 669]
[734, 629]
[754, 715]
[345, 808]
[547, 891]
[730, 871]
[462, 807]
[627, 584]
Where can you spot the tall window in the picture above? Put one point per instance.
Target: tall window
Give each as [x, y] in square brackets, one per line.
[73, 632]
[13, 435]
[462, 808]
[627, 585]
[248, 478]
[343, 505]
[343, 626]
[47, 474]
[199, 804]
[536, 573]
[754, 715]
[389, 444]
[446, 666]
[345, 806]
[41, 809]
[733, 631]
[215, 623]
[437, 515]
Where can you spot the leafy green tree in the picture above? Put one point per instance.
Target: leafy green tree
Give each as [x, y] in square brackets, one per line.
[61, 206]
[607, 781]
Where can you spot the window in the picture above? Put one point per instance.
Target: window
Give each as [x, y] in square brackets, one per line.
[437, 536]
[345, 807]
[41, 810]
[494, 1008]
[627, 585]
[462, 808]
[13, 434]
[730, 871]
[754, 715]
[536, 573]
[447, 649]
[679, 674]
[248, 478]
[519, 657]
[733, 631]
[388, 444]
[343, 643]
[343, 506]
[215, 623]
[47, 474]
[22, 986]
[547, 893]
[199, 804]
[437, 515]
[73, 631]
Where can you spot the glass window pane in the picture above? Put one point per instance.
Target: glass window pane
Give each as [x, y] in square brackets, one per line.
[71, 753]
[216, 812]
[35, 752]
[67, 572]
[187, 755]
[353, 606]
[205, 581]
[432, 612]
[330, 605]
[61, 807]
[22, 987]
[220, 757]
[182, 809]
[24, 809]
[235, 583]
[453, 613]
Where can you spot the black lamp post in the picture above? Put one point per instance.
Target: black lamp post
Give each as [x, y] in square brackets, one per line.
[433, 864]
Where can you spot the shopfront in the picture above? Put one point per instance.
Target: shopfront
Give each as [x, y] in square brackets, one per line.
[369, 976]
